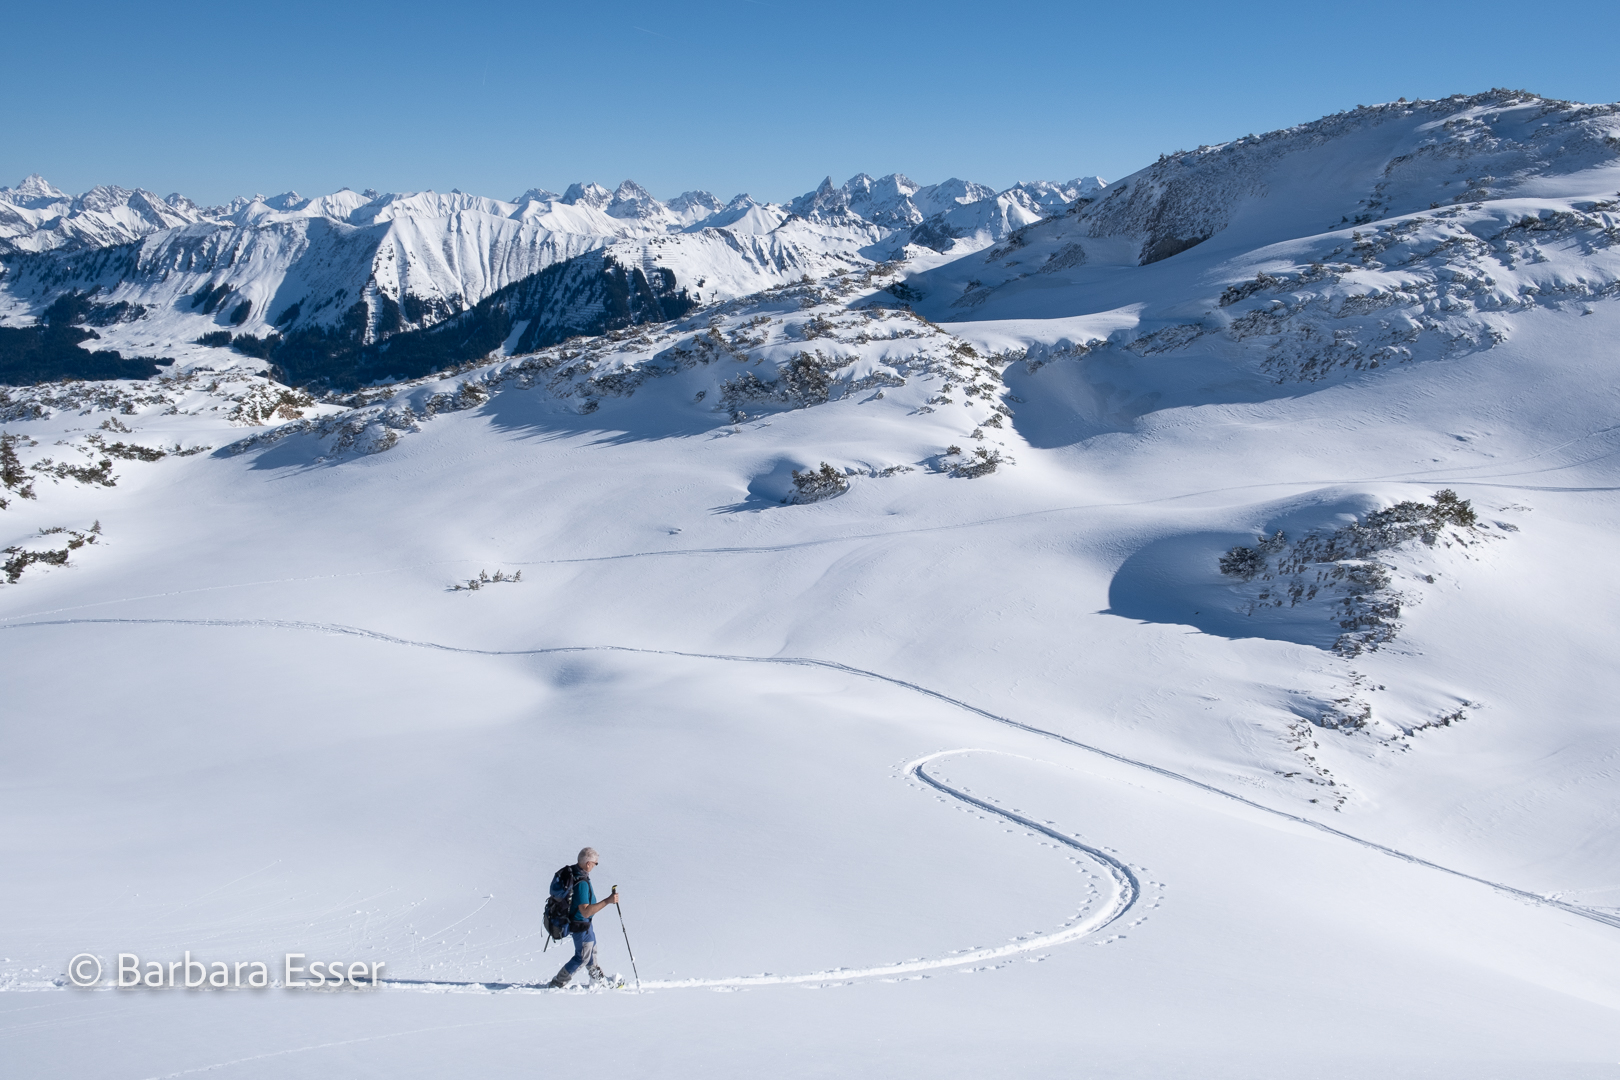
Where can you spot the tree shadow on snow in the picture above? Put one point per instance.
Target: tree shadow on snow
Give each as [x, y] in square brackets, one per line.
[771, 489]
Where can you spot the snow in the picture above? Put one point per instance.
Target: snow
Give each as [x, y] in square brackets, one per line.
[942, 773]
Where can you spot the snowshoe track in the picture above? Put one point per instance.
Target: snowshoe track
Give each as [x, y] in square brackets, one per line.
[1126, 892]
[1128, 888]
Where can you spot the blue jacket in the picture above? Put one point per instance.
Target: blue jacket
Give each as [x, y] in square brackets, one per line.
[583, 894]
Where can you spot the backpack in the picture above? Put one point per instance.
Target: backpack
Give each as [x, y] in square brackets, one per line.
[560, 905]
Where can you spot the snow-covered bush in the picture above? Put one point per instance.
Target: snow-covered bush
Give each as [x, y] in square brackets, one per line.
[817, 326]
[1242, 562]
[267, 401]
[804, 381]
[1342, 564]
[126, 451]
[13, 478]
[813, 485]
[982, 462]
[1245, 563]
[98, 472]
[20, 558]
[484, 578]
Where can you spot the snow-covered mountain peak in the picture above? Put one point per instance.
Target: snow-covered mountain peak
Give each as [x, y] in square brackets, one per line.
[824, 201]
[33, 192]
[693, 206]
[882, 201]
[885, 201]
[1052, 197]
[630, 191]
[536, 194]
[1355, 167]
[35, 216]
[592, 195]
[101, 198]
[892, 186]
[940, 198]
[945, 212]
[633, 202]
[743, 215]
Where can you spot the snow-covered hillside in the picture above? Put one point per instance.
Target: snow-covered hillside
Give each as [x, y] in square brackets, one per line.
[1053, 653]
[1369, 238]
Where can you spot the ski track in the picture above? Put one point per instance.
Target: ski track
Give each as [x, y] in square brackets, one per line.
[1127, 890]
[1127, 887]
[833, 665]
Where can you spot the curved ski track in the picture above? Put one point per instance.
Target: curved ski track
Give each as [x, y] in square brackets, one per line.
[1127, 887]
[1127, 890]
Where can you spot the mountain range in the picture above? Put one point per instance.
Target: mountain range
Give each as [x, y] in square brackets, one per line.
[320, 284]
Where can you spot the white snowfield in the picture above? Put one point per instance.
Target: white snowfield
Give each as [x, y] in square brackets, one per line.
[1201, 667]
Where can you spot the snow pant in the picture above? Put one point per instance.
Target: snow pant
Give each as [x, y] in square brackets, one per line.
[584, 952]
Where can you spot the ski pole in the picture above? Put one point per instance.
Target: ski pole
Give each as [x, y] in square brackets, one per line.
[627, 947]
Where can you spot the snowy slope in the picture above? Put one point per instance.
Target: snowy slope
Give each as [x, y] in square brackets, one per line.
[1433, 186]
[1090, 678]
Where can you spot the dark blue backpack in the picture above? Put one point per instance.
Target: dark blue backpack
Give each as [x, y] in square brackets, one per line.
[560, 906]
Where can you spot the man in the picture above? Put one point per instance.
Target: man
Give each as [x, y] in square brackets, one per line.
[582, 907]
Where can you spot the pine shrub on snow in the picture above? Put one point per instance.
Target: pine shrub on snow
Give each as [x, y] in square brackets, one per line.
[813, 485]
[1341, 563]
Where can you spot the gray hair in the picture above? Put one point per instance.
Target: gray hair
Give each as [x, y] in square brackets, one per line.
[588, 853]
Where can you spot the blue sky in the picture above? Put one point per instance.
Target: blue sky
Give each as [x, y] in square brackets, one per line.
[730, 95]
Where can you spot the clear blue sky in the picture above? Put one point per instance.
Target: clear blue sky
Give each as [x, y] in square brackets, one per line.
[216, 100]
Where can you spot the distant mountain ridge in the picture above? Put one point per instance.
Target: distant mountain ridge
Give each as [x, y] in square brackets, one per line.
[36, 216]
[1375, 236]
[365, 267]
